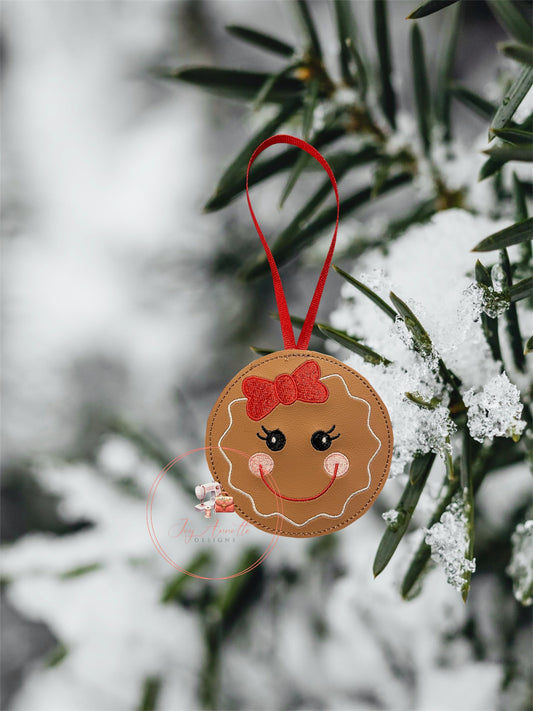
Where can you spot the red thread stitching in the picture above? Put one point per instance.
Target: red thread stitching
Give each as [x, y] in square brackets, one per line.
[307, 498]
[302, 384]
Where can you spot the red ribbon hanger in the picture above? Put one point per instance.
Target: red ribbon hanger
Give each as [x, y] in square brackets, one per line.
[284, 317]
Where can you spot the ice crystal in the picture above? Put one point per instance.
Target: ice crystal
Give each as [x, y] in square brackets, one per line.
[485, 299]
[390, 517]
[448, 540]
[494, 303]
[520, 568]
[471, 306]
[495, 410]
[498, 278]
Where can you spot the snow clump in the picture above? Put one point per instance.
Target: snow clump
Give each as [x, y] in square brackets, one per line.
[391, 517]
[495, 410]
[449, 540]
[520, 568]
[431, 270]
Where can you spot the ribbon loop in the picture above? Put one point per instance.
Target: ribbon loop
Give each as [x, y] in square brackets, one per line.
[284, 316]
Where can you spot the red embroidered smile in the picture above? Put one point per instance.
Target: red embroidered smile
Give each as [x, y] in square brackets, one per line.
[261, 465]
[290, 498]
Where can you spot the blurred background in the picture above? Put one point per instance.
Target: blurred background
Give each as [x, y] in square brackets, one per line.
[124, 317]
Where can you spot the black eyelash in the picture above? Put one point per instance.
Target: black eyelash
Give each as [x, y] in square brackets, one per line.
[331, 430]
[267, 432]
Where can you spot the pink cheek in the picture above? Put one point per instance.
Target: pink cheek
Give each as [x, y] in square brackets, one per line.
[334, 459]
[260, 461]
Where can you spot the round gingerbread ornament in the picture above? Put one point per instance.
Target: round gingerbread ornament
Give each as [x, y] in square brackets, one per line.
[315, 435]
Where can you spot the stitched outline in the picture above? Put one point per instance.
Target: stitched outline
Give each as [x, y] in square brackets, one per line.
[329, 359]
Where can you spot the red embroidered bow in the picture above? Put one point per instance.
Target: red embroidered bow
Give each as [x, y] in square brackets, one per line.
[264, 395]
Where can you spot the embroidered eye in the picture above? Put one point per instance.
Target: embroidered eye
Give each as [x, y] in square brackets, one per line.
[275, 439]
[322, 440]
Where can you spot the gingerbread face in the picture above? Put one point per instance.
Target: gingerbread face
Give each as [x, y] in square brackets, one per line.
[317, 441]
